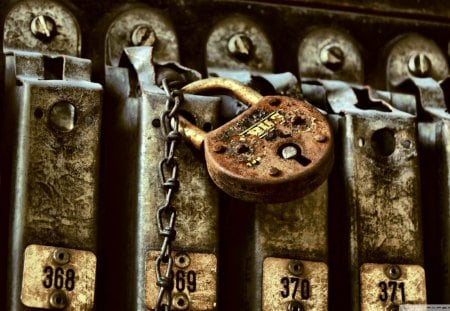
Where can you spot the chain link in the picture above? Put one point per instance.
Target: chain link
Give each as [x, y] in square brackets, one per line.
[166, 214]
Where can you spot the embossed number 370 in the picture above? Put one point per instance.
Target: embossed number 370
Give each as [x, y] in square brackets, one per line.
[58, 279]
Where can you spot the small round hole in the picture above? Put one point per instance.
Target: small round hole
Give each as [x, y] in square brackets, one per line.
[182, 260]
[88, 120]
[207, 127]
[242, 149]
[61, 256]
[38, 113]
[156, 123]
[181, 302]
[406, 144]
[383, 142]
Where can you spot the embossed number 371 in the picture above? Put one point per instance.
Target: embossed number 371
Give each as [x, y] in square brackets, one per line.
[58, 279]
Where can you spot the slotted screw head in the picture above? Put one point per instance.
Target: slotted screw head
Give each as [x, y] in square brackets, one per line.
[332, 57]
[419, 65]
[43, 27]
[240, 46]
[143, 35]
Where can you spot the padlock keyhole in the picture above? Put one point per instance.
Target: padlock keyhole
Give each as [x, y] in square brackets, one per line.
[294, 152]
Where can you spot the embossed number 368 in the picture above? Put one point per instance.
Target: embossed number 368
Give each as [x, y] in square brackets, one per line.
[58, 279]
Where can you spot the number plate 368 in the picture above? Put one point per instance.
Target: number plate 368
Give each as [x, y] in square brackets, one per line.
[58, 278]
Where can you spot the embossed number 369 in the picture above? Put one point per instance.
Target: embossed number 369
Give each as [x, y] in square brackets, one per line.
[58, 279]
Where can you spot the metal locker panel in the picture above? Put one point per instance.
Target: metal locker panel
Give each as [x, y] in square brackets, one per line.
[55, 180]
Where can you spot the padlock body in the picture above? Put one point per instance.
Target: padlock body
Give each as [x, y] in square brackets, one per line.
[278, 150]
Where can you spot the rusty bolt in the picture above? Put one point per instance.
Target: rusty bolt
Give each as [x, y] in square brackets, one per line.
[43, 27]
[61, 256]
[295, 306]
[182, 260]
[219, 148]
[240, 46]
[180, 301]
[143, 35]
[332, 57]
[295, 267]
[419, 65]
[58, 300]
[273, 171]
[393, 272]
[320, 138]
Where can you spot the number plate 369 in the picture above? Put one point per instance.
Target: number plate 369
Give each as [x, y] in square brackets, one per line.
[58, 278]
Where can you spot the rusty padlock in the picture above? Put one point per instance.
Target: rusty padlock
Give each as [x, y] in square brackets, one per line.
[277, 150]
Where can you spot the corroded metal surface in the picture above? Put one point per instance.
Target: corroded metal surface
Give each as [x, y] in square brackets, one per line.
[379, 292]
[43, 275]
[246, 157]
[298, 226]
[383, 172]
[18, 34]
[62, 188]
[120, 34]
[195, 276]
[288, 281]
[218, 53]
[328, 53]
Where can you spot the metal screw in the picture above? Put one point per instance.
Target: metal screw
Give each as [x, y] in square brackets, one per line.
[218, 148]
[320, 138]
[332, 57]
[295, 267]
[61, 256]
[43, 27]
[273, 171]
[143, 35]
[182, 260]
[240, 46]
[393, 272]
[295, 306]
[289, 152]
[62, 116]
[419, 65]
[180, 301]
[58, 300]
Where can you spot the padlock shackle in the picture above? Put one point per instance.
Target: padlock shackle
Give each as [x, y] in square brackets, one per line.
[191, 132]
[214, 86]
[224, 86]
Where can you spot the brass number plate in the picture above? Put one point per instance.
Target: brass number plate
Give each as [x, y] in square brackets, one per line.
[294, 285]
[383, 285]
[58, 278]
[194, 281]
